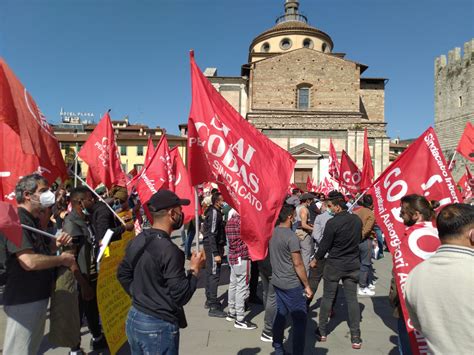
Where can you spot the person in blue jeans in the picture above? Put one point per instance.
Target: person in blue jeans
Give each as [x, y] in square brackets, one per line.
[290, 282]
[152, 273]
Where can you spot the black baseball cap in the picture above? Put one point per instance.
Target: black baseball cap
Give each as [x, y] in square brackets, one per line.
[306, 196]
[164, 199]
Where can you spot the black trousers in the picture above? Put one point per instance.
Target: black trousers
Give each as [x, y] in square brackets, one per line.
[91, 311]
[315, 277]
[213, 274]
[350, 280]
[254, 274]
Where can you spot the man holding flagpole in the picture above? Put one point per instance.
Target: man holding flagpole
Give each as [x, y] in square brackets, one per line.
[30, 270]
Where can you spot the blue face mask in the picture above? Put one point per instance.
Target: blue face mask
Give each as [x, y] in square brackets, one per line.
[330, 211]
[116, 206]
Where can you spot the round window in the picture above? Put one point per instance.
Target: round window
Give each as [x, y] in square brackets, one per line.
[285, 43]
[266, 47]
[307, 43]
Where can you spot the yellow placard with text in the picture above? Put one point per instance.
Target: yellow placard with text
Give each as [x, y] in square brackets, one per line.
[114, 303]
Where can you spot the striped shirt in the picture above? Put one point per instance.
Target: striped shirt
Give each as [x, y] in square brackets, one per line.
[237, 248]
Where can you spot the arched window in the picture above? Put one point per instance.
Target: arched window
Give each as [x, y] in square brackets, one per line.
[323, 47]
[303, 97]
[265, 47]
[307, 43]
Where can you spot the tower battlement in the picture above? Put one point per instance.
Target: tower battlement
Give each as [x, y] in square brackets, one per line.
[454, 97]
[455, 58]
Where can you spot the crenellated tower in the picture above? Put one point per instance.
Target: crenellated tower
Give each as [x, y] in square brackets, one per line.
[454, 98]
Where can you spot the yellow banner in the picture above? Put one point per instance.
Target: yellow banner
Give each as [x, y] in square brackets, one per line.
[113, 301]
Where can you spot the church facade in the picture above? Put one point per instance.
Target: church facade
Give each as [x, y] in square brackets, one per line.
[300, 93]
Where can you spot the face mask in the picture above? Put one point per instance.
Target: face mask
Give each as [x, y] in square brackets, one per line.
[330, 211]
[47, 199]
[178, 223]
[116, 206]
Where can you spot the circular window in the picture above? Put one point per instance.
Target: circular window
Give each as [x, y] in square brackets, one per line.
[266, 47]
[323, 47]
[285, 44]
[307, 43]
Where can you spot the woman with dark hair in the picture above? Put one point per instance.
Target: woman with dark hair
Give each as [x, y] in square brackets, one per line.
[415, 211]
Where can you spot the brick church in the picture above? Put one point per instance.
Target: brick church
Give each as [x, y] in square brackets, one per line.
[300, 93]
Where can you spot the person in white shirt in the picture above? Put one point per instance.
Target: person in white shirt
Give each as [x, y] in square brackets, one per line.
[439, 290]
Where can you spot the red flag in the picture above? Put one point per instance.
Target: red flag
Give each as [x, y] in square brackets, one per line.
[309, 184]
[182, 185]
[20, 113]
[334, 166]
[253, 172]
[367, 168]
[150, 150]
[156, 174]
[466, 144]
[467, 185]
[10, 225]
[422, 170]
[291, 187]
[350, 175]
[10, 169]
[101, 154]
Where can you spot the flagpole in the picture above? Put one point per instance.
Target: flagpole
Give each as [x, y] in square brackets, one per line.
[357, 200]
[452, 159]
[101, 199]
[39, 231]
[75, 165]
[196, 215]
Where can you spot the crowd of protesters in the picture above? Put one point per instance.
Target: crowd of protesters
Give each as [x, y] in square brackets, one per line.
[316, 238]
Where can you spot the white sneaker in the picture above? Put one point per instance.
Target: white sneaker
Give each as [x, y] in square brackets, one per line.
[365, 292]
[371, 287]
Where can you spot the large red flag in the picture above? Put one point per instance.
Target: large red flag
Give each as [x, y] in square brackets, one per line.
[182, 184]
[367, 168]
[350, 175]
[467, 185]
[101, 154]
[422, 170]
[10, 225]
[19, 111]
[156, 174]
[10, 168]
[253, 172]
[466, 144]
[334, 166]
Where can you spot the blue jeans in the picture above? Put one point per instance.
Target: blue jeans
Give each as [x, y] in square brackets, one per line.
[403, 339]
[149, 335]
[293, 302]
[378, 233]
[189, 240]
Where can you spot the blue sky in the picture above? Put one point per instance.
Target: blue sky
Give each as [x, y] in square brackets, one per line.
[132, 56]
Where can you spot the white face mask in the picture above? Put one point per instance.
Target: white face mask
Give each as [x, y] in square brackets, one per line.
[47, 199]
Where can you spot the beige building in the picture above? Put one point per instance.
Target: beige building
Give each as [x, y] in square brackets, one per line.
[131, 139]
[300, 93]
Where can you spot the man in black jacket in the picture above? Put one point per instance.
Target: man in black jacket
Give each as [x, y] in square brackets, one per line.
[213, 242]
[341, 239]
[152, 272]
[102, 217]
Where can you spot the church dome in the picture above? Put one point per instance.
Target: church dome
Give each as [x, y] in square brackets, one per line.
[290, 32]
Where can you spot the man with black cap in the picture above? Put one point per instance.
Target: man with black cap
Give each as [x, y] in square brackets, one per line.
[152, 272]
